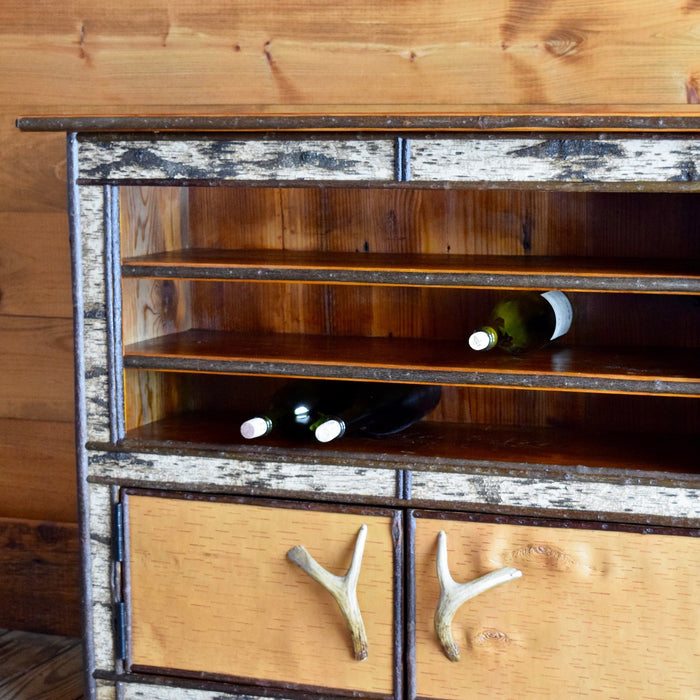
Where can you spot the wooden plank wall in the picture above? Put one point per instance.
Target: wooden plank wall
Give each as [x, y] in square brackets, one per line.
[292, 56]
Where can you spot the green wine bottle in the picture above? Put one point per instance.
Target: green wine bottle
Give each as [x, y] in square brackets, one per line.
[524, 321]
[295, 406]
[380, 409]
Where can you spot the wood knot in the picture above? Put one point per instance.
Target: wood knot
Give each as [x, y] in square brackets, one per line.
[563, 42]
[490, 638]
[547, 556]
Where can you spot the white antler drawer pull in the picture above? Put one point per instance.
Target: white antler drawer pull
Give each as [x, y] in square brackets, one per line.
[342, 588]
[453, 594]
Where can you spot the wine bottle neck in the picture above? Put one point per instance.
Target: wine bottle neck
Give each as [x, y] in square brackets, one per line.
[256, 427]
[484, 338]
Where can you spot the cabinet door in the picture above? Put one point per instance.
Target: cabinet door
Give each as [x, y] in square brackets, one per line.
[596, 613]
[212, 593]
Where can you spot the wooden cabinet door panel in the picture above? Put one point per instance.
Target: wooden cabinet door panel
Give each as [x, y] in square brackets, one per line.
[596, 613]
[211, 592]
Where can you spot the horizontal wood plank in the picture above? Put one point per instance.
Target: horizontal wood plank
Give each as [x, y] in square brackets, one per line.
[468, 271]
[36, 368]
[635, 370]
[41, 558]
[37, 479]
[32, 173]
[633, 51]
[35, 265]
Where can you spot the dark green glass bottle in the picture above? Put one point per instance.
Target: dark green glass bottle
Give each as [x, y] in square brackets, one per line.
[524, 321]
[380, 409]
[295, 406]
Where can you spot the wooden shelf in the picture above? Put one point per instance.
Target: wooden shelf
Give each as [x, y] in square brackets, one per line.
[661, 371]
[444, 446]
[437, 270]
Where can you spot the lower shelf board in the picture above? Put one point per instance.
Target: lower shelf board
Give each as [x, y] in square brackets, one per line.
[444, 446]
[660, 371]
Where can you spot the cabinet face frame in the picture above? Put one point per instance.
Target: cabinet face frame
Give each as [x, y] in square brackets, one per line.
[274, 507]
[413, 519]
[94, 213]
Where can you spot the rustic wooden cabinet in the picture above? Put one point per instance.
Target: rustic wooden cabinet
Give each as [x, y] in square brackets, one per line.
[215, 260]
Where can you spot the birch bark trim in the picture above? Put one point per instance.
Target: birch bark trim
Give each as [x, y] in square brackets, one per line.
[556, 160]
[245, 160]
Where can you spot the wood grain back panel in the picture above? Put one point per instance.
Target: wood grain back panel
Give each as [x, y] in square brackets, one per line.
[212, 591]
[394, 57]
[596, 613]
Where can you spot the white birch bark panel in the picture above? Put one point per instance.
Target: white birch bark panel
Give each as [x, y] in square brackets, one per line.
[105, 690]
[539, 160]
[100, 505]
[577, 495]
[241, 475]
[94, 323]
[242, 159]
[143, 691]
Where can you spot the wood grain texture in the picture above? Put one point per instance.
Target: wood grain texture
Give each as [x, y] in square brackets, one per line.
[634, 51]
[240, 608]
[36, 375]
[37, 479]
[583, 619]
[41, 557]
[35, 265]
[40, 666]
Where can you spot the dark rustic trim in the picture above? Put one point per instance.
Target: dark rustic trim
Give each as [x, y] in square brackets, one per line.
[564, 523]
[114, 313]
[395, 122]
[410, 603]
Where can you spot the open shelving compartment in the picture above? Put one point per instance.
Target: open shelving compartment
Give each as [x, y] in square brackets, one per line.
[229, 291]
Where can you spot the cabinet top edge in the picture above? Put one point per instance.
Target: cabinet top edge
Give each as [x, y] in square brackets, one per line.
[386, 122]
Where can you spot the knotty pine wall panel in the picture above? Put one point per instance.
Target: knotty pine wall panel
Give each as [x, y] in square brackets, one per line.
[176, 57]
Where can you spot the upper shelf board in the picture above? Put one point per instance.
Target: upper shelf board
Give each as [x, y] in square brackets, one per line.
[436, 270]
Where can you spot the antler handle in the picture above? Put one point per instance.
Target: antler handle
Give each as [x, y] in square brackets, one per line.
[453, 594]
[342, 588]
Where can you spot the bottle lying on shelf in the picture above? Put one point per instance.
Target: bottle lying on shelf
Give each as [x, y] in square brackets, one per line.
[524, 321]
[380, 409]
[297, 405]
